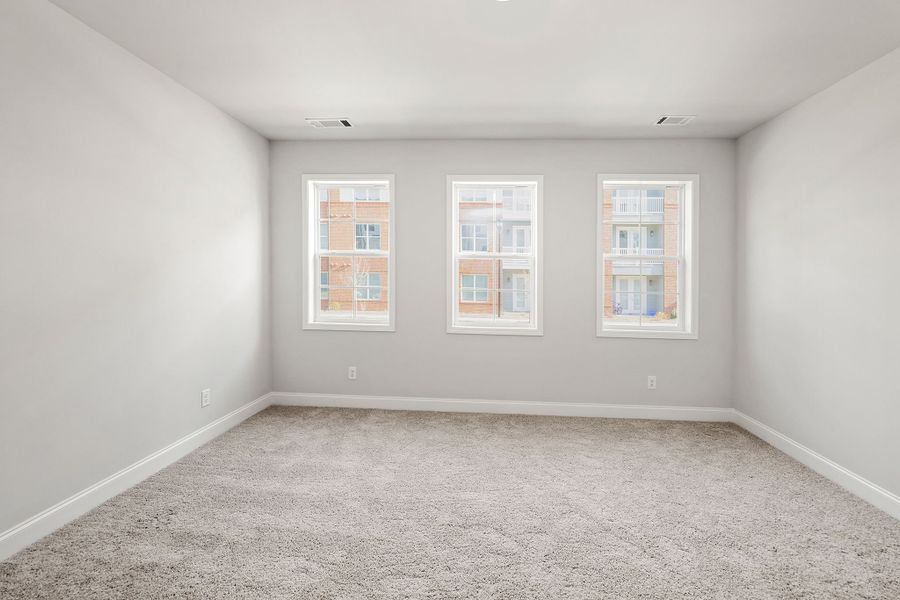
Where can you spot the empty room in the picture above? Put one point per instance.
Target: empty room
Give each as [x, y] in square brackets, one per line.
[449, 299]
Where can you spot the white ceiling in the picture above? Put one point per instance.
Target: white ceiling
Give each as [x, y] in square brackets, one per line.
[489, 69]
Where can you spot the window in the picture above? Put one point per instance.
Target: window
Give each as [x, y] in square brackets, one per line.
[323, 236]
[476, 195]
[516, 200]
[647, 256]
[348, 258]
[494, 257]
[368, 236]
[362, 193]
[368, 286]
[474, 237]
[474, 288]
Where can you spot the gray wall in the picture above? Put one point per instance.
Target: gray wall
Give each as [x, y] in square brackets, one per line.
[568, 363]
[818, 326]
[133, 259]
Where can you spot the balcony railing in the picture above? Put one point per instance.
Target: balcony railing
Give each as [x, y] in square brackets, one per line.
[516, 249]
[637, 251]
[636, 206]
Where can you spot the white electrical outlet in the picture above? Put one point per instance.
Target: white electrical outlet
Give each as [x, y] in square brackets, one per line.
[205, 398]
[351, 372]
[651, 382]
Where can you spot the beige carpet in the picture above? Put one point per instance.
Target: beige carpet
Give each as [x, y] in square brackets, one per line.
[323, 503]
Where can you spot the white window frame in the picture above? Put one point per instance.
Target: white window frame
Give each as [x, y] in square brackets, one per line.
[310, 277]
[535, 326]
[689, 267]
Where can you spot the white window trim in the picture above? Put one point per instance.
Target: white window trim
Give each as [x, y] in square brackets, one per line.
[689, 275]
[537, 226]
[308, 268]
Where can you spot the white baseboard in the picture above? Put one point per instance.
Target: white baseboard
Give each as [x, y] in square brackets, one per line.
[847, 479]
[31, 530]
[517, 407]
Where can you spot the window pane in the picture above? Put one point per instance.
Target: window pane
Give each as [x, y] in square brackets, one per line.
[515, 294]
[476, 277]
[643, 259]
[474, 237]
[352, 218]
[368, 236]
[370, 295]
[496, 221]
[652, 204]
[622, 307]
[338, 272]
[641, 292]
[323, 235]
[500, 289]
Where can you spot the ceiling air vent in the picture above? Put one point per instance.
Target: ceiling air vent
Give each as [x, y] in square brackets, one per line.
[675, 120]
[329, 122]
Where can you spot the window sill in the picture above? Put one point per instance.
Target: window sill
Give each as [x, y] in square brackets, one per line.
[648, 334]
[324, 326]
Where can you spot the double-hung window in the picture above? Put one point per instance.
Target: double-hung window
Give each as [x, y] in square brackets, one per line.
[349, 253]
[495, 254]
[648, 251]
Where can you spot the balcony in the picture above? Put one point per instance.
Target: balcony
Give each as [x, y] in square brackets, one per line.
[637, 252]
[636, 206]
[630, 267]
[516, 263]
[631, 209]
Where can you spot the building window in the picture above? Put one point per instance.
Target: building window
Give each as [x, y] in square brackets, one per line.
[494, 255]
[648, 251]
[368, 286]
[348, 260]
[473, 237]
[474, 288]
[323, 236]
[368, 236]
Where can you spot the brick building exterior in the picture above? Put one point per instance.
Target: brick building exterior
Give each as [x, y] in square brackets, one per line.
[354, 219]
